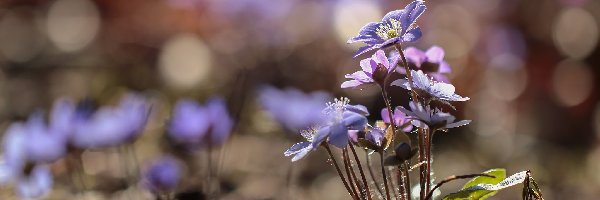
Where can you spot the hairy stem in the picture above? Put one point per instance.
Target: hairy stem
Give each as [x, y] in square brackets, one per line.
[337, 168]
[350, 173]
[407, 179]
[362, 173]
[370, 168]
[385, 183]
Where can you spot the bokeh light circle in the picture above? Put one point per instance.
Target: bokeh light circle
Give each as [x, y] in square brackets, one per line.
[185, 61]
[575, 32]
[72, 24]
[572, 82]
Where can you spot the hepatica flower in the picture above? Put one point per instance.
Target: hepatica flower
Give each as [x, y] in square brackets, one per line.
[292, 108]
[24, 168]
[162, 175]
[429, 89]
[400, 119]
[431, 62]
[396, 27]
[301, 149]
[374, 70]
[110, 126]
[193, 124]
[434, 119]
[341, 117]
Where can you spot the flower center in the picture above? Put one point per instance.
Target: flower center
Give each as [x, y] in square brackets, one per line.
[336, 109]
[389, 30]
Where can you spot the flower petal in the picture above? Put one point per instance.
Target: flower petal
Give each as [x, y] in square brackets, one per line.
[401, 83]
[296, 148]
[351, 84]
[458, 124]
[339, 136]
[415, 56]
[435, 54]
[412, 35]
[321, 135]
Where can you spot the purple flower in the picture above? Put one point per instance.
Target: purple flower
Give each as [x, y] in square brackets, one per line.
[431, 62]
[36, 183]
[396, 27]
[429, 89]
[425, 117]
[193, 124]
[162, 175]
[110, 126]
[400, 119]
[374, 70]
[220, 122]
[301, 149]
[341, 117]
[43, 145]
[292, 108]
[23, 157]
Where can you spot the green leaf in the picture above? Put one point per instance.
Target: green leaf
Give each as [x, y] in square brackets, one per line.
[480, 188]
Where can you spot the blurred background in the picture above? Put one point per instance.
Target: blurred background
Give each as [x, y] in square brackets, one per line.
[531, 69]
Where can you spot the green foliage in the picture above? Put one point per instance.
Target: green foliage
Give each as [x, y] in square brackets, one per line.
[471, 191]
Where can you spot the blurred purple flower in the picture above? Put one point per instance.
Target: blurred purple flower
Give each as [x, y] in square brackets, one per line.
[374, 70]
[429, 89]
[292, 108]
[400, 119]
[221, 122]
[110, 126]
[430, 62]
[396, 27]
[162, 175]
[36, 183]
[192, 124]
[341, 117]
[43, 143]
[425, 117]
[23, 157]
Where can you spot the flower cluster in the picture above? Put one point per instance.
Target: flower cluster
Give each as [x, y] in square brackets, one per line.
[424, 75]
[30, 147]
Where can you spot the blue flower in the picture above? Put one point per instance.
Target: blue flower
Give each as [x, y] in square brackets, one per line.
[193, 124]
[292, 108]
[396, 27]
[374, 70]
[162, 175]
[341, 117]
[430, 62]
[434, 119]
[430, 90]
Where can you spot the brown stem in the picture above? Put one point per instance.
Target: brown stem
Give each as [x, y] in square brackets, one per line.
[407, 178]
[428, 142]
[406, 68]
[389, 107]
[422, 172]
[350, 173]
[370, 168]
[392, 184]
[337, 168]
[362, 173]
[401, 185]
[451, 178]
[385, 184]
